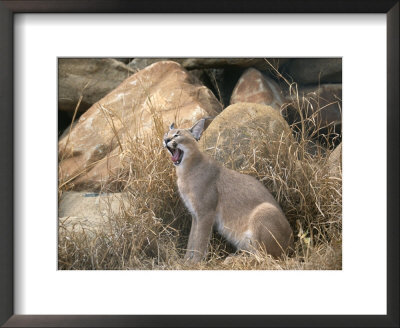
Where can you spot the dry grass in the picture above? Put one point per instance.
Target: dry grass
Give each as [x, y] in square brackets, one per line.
[152, 232]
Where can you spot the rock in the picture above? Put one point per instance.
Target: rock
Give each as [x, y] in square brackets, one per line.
[324, 104]
[92, 78]
[143, 104]
[314, 70]
[327, 97]
[78, 211]
[243, 128]
[139, 63]
[334, 162]
[105, 172]
[254, 87]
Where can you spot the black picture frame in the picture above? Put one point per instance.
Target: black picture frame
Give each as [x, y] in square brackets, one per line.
[7, 11]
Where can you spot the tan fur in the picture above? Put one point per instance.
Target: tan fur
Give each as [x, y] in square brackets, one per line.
[237, 205]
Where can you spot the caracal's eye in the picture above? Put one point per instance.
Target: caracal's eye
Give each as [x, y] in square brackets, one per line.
[176, 135]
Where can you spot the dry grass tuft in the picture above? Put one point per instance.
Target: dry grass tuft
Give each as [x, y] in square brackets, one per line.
[150, 230]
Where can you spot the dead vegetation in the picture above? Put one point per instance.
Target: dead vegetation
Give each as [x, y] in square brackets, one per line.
[152, 231]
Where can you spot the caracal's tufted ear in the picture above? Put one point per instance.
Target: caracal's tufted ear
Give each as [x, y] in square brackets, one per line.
[171, 127]
[197, 129]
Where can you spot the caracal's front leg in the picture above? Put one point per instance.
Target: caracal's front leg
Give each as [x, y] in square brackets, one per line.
[199, 237]
[192, 237]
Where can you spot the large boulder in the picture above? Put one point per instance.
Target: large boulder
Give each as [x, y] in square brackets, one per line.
[139, 63]
[323, 104]
[244, 128]
[81, 211]
[92, 78]
[254, 87]
[314, 70]
[328, 98]
[145, 103]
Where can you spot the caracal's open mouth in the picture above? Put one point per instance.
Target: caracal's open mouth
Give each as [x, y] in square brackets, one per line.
[176, 155]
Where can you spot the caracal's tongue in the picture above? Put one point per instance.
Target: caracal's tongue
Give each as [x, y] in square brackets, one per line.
[175, 156]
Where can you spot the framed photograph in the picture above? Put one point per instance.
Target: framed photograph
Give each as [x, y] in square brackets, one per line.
[112, 108]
